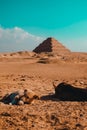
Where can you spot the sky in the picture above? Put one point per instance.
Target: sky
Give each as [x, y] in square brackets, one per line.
[24, 24]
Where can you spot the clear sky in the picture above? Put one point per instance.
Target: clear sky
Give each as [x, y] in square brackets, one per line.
[25, 23]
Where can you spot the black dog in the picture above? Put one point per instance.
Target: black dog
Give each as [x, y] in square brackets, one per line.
[67, 92]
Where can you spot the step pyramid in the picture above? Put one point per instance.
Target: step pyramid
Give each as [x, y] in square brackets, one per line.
[51, 45]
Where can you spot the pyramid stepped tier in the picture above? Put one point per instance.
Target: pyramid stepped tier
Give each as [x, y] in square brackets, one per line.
[51, 45]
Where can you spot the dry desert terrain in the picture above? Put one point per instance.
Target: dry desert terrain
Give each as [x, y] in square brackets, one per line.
[37, 72]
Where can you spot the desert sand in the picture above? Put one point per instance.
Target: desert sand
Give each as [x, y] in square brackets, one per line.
[37, 72]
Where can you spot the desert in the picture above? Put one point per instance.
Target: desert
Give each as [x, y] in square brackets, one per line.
[37, 70]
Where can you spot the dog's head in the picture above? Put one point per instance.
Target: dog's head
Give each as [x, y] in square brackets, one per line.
[28, 96]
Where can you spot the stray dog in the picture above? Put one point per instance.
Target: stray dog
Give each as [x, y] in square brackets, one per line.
[19, 97]
[67, 92]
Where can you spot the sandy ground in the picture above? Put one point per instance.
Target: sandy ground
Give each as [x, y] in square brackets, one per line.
[37, 73]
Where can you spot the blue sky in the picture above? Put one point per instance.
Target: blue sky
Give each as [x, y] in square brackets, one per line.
[25, 23]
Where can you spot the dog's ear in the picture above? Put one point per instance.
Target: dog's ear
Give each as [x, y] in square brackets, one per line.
[54, 83]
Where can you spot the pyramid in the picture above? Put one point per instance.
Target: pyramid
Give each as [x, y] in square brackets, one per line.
[51, 45]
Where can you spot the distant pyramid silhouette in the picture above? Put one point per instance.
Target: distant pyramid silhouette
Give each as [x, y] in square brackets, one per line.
[51, 45]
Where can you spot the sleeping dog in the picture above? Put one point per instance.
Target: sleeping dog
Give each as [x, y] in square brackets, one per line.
[67, 92]
[19, 97]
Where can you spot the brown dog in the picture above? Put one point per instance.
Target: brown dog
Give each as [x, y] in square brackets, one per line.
[28, 97]
[19, 97]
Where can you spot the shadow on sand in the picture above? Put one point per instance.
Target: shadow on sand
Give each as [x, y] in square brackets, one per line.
[53, 97]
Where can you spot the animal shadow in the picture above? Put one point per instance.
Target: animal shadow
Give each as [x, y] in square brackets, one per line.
[49, 97]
